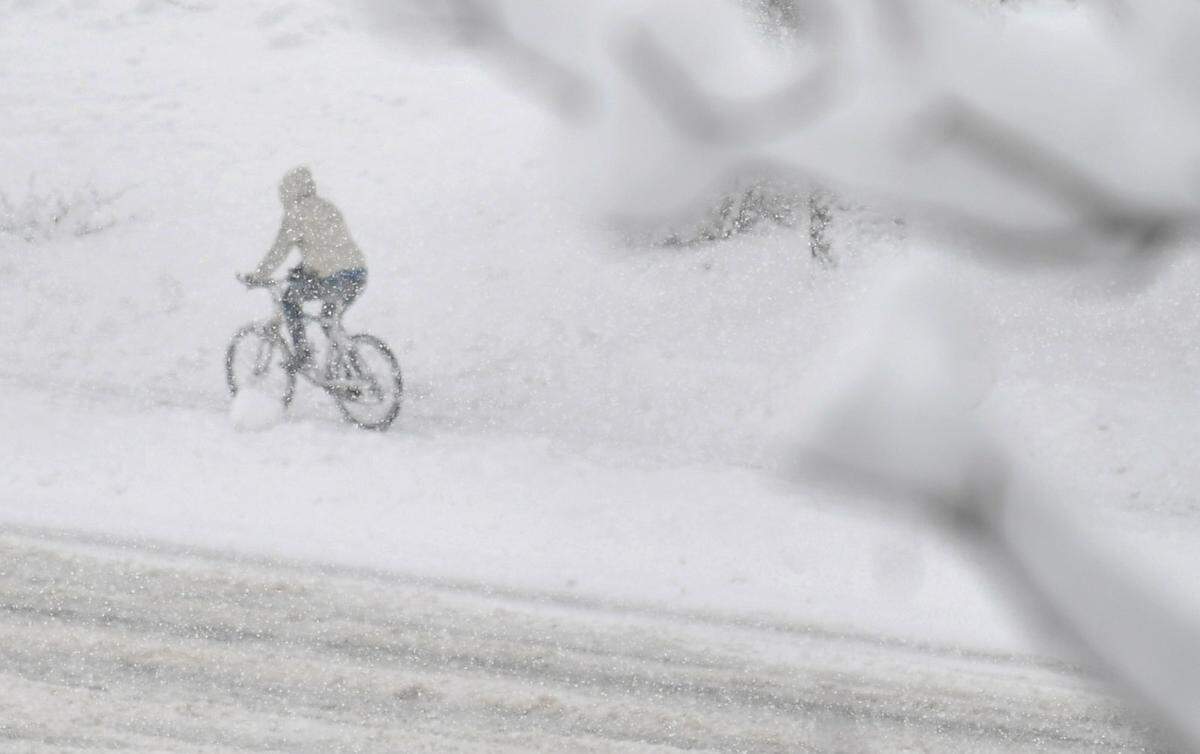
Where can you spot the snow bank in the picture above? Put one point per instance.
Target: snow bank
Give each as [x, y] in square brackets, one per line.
[254, 409]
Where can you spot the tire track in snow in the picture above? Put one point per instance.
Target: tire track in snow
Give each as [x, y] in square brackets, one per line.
[146, 648]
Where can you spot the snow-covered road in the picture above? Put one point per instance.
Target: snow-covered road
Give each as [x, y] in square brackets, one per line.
[115, 645]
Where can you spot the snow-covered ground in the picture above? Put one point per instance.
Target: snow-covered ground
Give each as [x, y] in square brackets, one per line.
[584, 416]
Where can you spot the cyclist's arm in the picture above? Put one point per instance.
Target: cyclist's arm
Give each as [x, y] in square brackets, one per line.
[287, 237]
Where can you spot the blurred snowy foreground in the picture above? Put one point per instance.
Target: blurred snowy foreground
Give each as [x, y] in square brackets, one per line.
[592, 459]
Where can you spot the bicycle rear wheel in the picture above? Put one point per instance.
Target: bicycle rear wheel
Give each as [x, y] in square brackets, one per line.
[368, 393]
[256, 359]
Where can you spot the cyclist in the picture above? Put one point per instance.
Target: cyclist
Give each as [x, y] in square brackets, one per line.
[332, 268]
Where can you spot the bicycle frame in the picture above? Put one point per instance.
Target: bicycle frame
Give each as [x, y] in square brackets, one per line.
[337, 342]
[359, 371]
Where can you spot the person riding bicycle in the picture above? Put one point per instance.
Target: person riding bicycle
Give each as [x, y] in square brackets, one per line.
[332, 268]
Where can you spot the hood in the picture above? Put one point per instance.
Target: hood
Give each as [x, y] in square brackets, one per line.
[296, 184]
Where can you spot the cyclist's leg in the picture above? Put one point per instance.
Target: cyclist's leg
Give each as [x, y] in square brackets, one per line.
[339, 290]
[303, 286]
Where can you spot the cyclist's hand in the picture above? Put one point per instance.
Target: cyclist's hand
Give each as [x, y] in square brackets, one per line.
[249, 278]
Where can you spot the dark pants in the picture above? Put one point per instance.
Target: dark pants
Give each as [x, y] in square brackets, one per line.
[336, 292]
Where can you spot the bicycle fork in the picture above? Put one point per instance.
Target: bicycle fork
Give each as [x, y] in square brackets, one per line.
[266, 349]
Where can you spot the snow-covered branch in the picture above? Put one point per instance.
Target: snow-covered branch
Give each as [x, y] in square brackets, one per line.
[1062, 119]
[1059, 133]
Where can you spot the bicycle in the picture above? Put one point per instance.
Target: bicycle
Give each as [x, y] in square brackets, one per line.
[359, 371]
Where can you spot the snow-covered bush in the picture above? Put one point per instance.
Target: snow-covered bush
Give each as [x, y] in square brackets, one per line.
[45, 215]
[744, 206]
[757, 197]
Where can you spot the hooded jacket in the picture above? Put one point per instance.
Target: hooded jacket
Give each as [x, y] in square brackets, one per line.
[315, 227]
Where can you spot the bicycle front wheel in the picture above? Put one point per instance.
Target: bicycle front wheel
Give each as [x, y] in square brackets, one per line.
[369, 396]
[257, 359]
